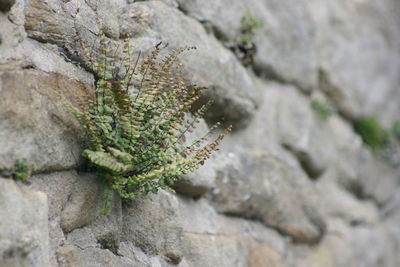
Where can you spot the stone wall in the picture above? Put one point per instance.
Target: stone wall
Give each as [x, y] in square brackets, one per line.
[287, 189]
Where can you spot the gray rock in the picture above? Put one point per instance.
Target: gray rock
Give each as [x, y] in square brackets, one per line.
[230, 252]
[57, 186]
[198, 182]
[75, 205]
[336, 202]
[56, 240]
[201, 222]
[263, 133]
[199, 216]
[289, 57]
[211, 65]
[23, 226]
[222, 250]
[103, 231]
[348, 144]
[64, 19]
[35, 125]
[107, 13]
[347, 246]
[358, 60]
[303, 133]
[357, 169]
[80, 210]
[58, 23]
[285, 118]
[152, 223]
[72, 256]
[261, 186]
[379, 181]
[68, 26]
[263, 255]
[126, 249]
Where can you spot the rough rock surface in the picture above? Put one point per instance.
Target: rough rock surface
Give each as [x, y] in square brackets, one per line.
[260, 186]
[276, 51]
[24, 237]
[288, 188]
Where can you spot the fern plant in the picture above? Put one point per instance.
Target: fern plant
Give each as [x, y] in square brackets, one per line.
[136, 123]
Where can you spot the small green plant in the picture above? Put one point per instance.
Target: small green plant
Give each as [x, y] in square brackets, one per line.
[244, 46]
[396, 130]
[249, 26]
[323, 109]
[371, 132]
[136, 124]
[21, 170]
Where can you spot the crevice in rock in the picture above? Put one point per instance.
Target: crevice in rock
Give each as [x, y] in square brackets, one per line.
[173, 258]
[74, 58]
[109, 244]
[255, 219]
[29, 66]
[390, 207]
[305, 162]
[181, 9]
[332, 92]
[268, 73]
[53, 170]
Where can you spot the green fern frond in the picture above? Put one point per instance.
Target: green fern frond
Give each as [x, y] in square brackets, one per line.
[136, 124]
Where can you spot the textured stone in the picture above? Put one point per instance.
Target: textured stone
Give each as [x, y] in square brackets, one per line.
[152, 223]
[289, 57]
[348, 144]
[23, 226]
[303, 133]
[46, 21]
[260, 208]
[263, 255]
[358, 49]
[204, 229]
[63, 19]
[348, 246]
[336, 202]
[57, 186]
[80, 209]
[378, 180]
[56, 240]
[357, 169]
[198, 182]
[34, 123]
[107, 13]
[261, 186]
[220, 250]
[71, 256]
[126, 249]
[198, 216]
[212, 65]
[100, 230]
[18, 51]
